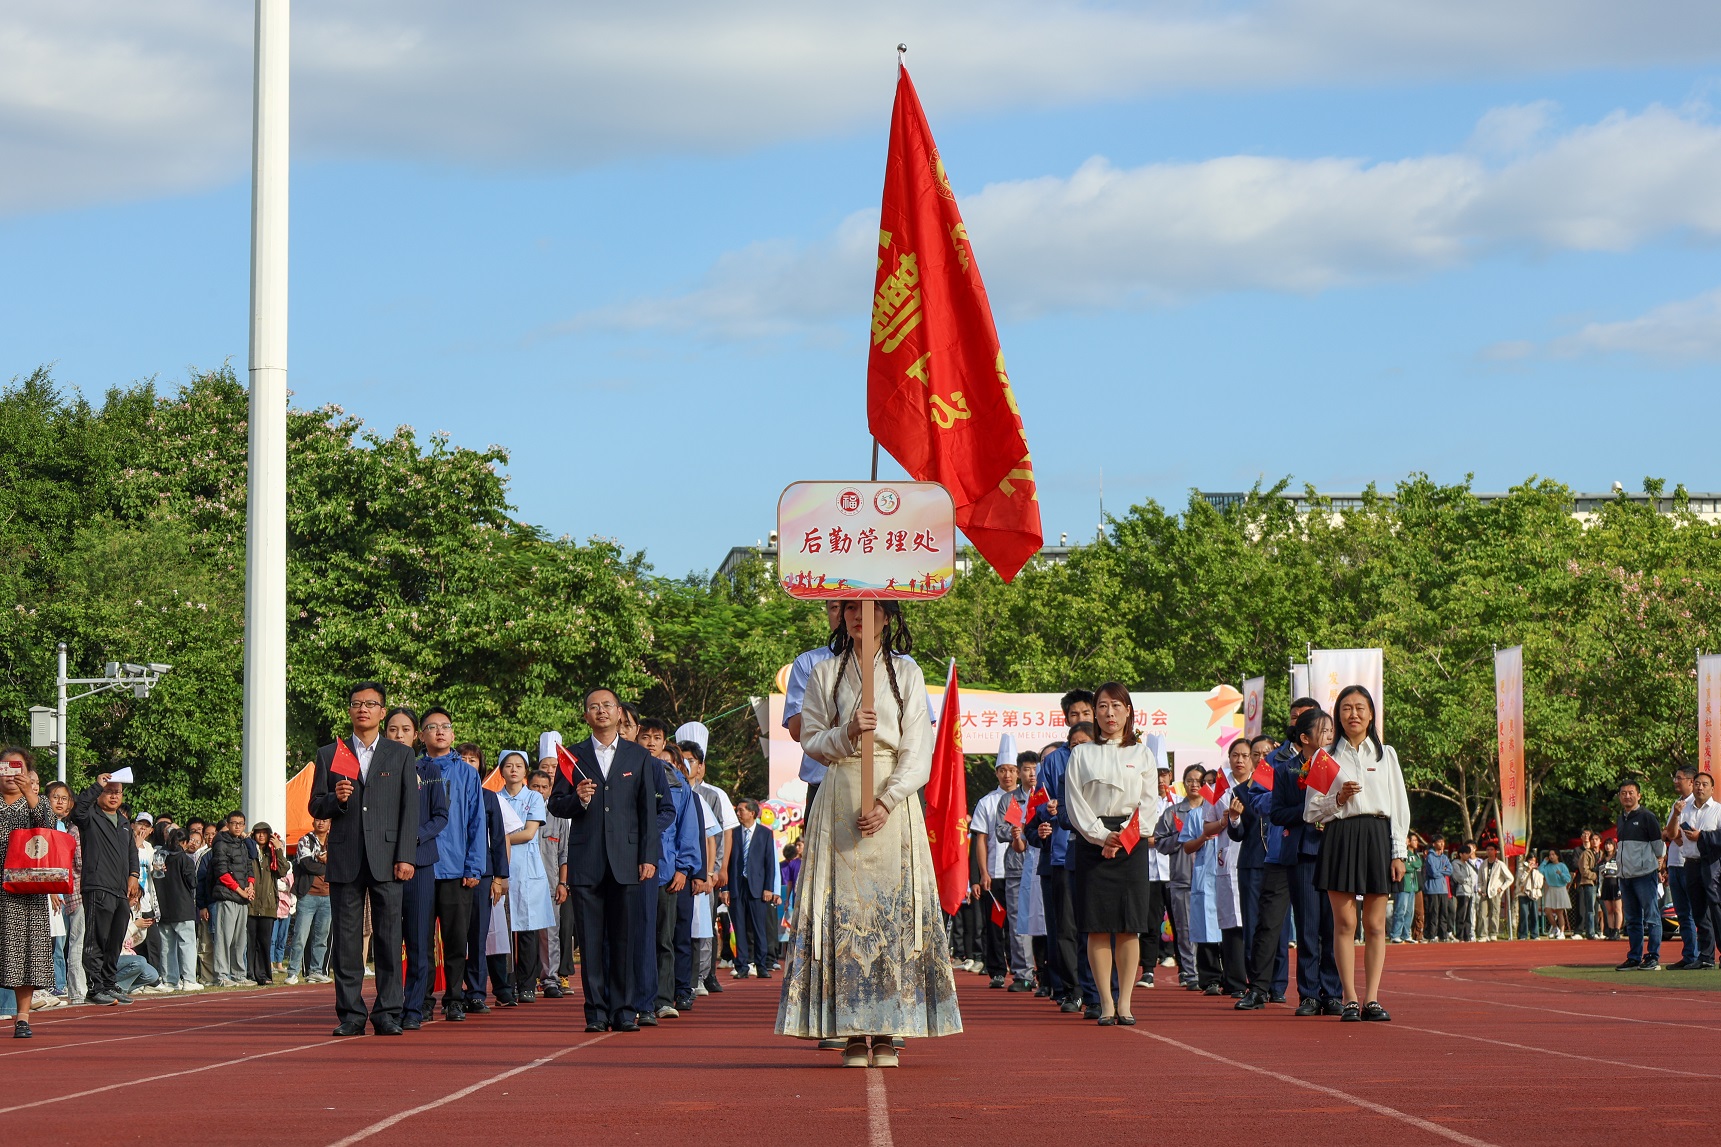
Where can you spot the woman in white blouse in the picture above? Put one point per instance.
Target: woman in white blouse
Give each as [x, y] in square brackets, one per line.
[1108, 784]
[1367, 817]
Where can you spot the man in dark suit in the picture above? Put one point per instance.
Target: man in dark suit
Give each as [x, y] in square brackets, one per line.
[372, 846]
[752, 890]
[613, 846]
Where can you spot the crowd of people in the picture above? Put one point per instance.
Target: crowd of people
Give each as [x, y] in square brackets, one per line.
[1095, 865]
[487, 910]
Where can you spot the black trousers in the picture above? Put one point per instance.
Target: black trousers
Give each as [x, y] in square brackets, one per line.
[565, 933]
[1061, 932]
[347, 947]
[684, 944]
[1222, 963]
[454, 921]
[995, 936]
[1703, 890]
[1461, 908]
[1437, 915]
[1150, 942]
[417, 926]
[668, 920]
[477, 965]
[1264, 948]
[606, 952]
[528, 960]
[751, 917]
[107, 916]
[260, 935]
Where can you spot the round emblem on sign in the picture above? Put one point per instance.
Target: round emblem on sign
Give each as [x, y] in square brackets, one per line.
[849, 501]
[1253, 709]
[887, 501]
[36, 847]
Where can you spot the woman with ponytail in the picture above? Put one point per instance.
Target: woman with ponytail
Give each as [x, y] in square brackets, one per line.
[868, 959]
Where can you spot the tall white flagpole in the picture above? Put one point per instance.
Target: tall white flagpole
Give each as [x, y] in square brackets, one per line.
[265, 726]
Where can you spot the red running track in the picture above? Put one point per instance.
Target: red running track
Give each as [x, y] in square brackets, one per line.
[1481, 1051]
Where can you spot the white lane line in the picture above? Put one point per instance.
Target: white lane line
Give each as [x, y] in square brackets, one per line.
[1566, 1054]
[385, 1124]
[1556, 1011]
[150, 1035]
[96, 1011]
[877, 1110]
[1355, 1100]
[165, 1075]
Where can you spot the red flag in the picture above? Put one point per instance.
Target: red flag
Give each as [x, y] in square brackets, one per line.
[947, 803]
[1013, 814]
[1130, 835]
[1039, 798]
[345, 763]
[1221, 786]
[1323, 771]
[567, 764]
[1209, 794]
[938, 397]
[1263, 777]
[998, 913]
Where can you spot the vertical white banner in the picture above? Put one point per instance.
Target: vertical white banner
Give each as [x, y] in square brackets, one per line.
[1254, 701]
[1708, 712]
[1299, 680]
[1509, 715]
[1331, 670]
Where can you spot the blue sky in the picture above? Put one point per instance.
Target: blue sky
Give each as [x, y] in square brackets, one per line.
[1225, 242]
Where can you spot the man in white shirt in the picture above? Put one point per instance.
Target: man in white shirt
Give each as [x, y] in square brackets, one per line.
[982, 826]
[1684, 780]
[720, 829]
[795, 695]
[1700, 846]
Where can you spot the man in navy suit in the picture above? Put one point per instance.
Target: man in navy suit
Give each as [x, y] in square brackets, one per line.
[613, 846]
[752, 890]
[373, 848]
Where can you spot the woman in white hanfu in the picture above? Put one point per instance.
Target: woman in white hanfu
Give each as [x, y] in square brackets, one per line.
[869, 959]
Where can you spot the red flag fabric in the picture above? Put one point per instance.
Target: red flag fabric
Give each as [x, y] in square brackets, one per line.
[938, 396]
[566, 763]
[1263, 777]
[1130, 834]
[998, 913]
[1039, 798]
[345, 764]
[1013, 814]
[947, 803]
[1221, 786]
[1323, 771]
[1209, 794]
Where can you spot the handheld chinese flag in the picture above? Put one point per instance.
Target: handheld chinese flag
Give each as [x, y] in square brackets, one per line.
[998, 913]
[566, 764]
[938, 397]
[1034, 802]
[1323, 771]
[1221, 786]
[345, 763]
[1130, 835]
[1263, 778]
[947, 803]
[1013, 814]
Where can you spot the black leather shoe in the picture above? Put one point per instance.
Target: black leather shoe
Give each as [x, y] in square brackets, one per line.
[1350, 1013]
[553, 992]
[1373, 1011]
[1276, 998]
[477, 1008]
[1252, 1001]
[646, 1021]
[684, 1005]
[997, 982]
[712, 986]
[411, 1024]
[350, 1027]
[1069, 1007]
[1212, 990]
[597, 1027]
[1331, 1007]
[21, 1029]
[763, 976]
[1021, 986]
[1308, 1007]
[506, 1002]
[1126, 1021]
[454, 1014]
[386, 1027]
[1108, 1021]
[626, 1026]
[1091, 1012]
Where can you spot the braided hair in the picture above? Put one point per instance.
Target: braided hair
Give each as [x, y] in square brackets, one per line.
[894, 639]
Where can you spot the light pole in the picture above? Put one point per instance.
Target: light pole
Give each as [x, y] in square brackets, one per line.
[139, 678]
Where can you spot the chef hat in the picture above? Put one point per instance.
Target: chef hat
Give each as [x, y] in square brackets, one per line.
[547, 743]
[1007, 749]
[695, 732]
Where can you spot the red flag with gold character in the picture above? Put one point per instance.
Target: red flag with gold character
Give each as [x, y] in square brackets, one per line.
[938, 397]
[947, 803]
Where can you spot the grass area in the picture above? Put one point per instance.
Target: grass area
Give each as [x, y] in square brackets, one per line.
[1708, 980]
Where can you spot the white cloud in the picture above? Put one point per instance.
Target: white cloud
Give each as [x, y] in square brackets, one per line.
[1106, 237]
[110, 99]
[1679, 332]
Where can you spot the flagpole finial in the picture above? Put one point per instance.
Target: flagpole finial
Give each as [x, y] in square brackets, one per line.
[901, 49]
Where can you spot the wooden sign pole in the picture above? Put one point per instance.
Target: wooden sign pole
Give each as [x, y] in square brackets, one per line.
[869, 652]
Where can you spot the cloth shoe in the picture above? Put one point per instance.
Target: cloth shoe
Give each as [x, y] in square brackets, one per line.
[884, 1053]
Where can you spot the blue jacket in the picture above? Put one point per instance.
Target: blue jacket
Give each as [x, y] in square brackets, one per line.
[1437, 874]
[460, 847]
[1055, 853]
[684, 839]
[1301, 839]
[660, 785]
[496, 850]
[432, 810]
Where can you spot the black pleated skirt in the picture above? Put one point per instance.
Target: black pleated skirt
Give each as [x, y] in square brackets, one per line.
[1356, 856]
[1110, 895]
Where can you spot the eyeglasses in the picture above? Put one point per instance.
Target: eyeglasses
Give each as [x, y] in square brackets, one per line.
[439, 727]
[601, 706]
[365, 705]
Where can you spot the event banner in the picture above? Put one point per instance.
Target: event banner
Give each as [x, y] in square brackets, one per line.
[1332, 670]
[866, 540]
[1254, 702]
[1708, 710]
[1299, 680]
[1509, 710]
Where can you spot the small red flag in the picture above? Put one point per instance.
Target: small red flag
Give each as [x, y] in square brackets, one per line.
[998, 912]
[947, 803]
[938, 396]
[1208, 794]
[1039, 798]
[1323, 771]
[1130, 835]
[345, 763]
[567, 764]
[1222, 786]
[1013, 814]
[1263, 777]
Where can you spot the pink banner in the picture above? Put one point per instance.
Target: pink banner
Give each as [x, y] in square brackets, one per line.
[1509, 711]
[1708, 711]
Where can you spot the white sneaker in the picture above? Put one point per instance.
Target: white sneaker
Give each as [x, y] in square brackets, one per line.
[42, 1001]
[190, 986]
[701, 990]
[319, 978]
[293, 978]
[1167, 962]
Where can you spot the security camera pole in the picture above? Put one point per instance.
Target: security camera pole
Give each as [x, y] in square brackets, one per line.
[139, 678]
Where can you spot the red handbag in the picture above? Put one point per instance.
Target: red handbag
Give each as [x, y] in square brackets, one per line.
[39, 860]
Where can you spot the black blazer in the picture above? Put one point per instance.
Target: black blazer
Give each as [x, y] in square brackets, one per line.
[496, 848]
[617, 832]
[378, 826]
[756, 872]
